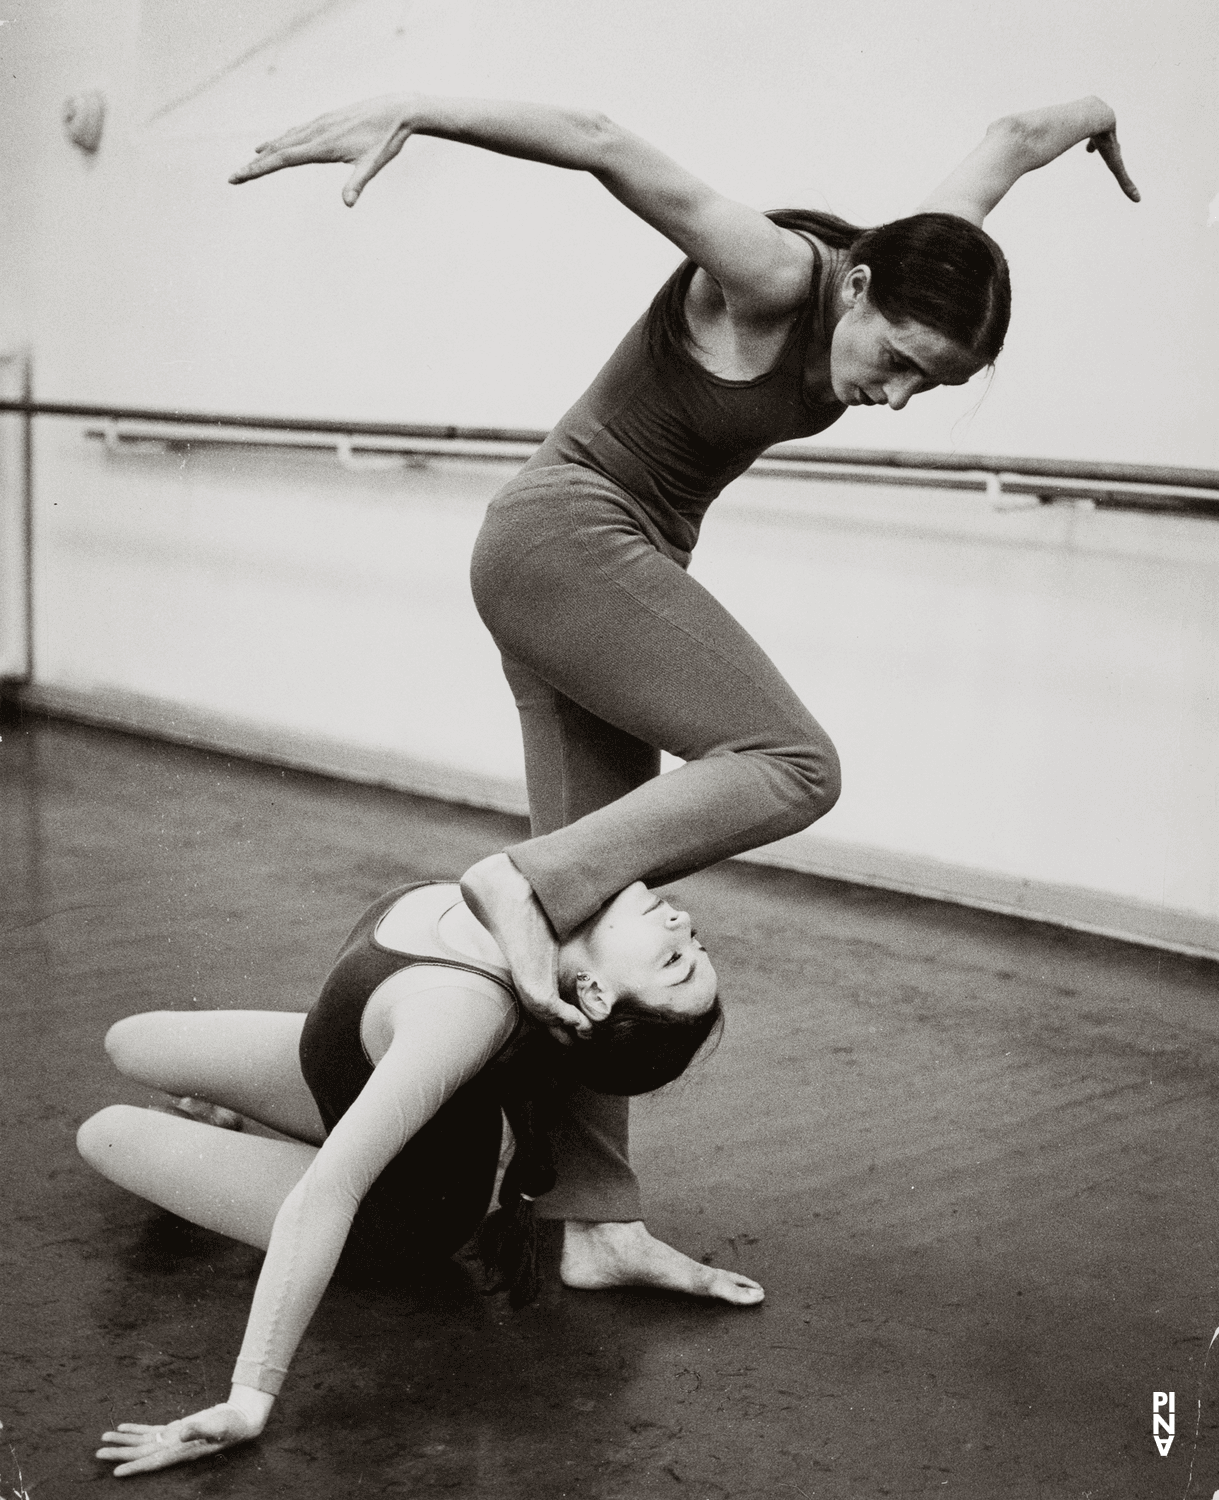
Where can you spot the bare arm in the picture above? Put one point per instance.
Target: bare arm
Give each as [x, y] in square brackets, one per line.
[1021, 143]
[762, 270]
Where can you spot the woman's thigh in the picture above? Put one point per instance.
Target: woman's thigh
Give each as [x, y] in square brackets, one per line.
[246, 1060]
[573, 589]
[223, 1180]
[578, 594]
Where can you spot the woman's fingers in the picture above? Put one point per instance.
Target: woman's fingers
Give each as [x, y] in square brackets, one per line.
[321, 128]
[1106, 146]
[370, 134]
[166, 1456]
[158, 1450]
[140, 1448]
[313, 129]
[259, 167]
[270, 155]
[371, 163]
[276, 156]
[561, 1020]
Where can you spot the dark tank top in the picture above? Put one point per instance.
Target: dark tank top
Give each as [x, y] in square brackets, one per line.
[672, 435]
[432, 1195]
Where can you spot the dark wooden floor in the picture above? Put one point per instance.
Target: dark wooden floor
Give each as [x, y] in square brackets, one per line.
[971, 1159]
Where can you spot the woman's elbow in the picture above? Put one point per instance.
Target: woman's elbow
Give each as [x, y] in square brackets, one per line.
[602, 139]
[1027, 140]
[1019, 132]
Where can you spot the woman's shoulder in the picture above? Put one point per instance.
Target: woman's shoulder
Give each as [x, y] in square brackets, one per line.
[737, 341]
[425, 924]
[425, 1002]
[771, 299]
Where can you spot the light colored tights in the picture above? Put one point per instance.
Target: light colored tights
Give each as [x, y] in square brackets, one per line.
[228, 1181]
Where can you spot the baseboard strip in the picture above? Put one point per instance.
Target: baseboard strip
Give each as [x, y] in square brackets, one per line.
[1101, 912]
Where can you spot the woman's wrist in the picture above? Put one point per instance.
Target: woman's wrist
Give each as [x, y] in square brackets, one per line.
[420, 113]
[1045, 134]
[558, 137]
[253, 1404]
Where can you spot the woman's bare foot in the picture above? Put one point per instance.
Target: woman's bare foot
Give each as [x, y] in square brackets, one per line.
[503, 901]
[596, 1256]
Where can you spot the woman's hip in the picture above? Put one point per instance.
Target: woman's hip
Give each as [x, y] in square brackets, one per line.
[552, 538]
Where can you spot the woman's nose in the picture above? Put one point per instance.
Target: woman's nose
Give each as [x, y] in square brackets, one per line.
[898, 392]
[678, 919]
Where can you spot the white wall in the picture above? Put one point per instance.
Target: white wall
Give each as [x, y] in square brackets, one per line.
[1026, 704]
[470, 288]
[1024, 700]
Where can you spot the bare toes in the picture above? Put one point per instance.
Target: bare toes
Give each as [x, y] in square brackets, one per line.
[741, 1293]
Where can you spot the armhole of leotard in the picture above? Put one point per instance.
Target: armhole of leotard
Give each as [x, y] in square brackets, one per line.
[451, 956]
[440, 964]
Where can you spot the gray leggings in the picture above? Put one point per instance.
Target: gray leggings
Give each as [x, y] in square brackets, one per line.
[615, 653]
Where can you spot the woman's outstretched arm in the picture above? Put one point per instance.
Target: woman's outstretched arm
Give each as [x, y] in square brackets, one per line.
[1021, 143]
[762, 269]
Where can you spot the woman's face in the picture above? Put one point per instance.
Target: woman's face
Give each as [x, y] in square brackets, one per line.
[877, 363]
[640, 945]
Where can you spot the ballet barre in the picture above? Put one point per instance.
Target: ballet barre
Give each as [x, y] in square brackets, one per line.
[1010, 482]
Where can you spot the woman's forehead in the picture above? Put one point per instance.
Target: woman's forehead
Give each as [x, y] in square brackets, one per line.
[933, 352]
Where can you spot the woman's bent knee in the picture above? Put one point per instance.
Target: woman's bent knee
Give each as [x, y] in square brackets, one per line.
[819, 773]
[831, 779]
[128, 1041]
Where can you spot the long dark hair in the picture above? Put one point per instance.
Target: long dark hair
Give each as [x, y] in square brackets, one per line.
[935, 269]
[635, 1050]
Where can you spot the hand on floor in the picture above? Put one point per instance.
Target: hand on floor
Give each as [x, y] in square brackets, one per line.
[140, 1448]
[596, 1256]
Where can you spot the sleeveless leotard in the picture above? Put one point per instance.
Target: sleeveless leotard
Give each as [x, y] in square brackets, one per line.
[672, 435]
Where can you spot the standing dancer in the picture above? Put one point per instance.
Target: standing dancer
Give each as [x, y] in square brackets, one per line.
[771, 327]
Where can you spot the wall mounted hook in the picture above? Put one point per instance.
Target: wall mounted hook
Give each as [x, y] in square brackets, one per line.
[83, 117]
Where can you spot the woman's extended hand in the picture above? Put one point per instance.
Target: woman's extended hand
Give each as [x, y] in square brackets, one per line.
[140, 1449]
[370, 134]
[1111, 154]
